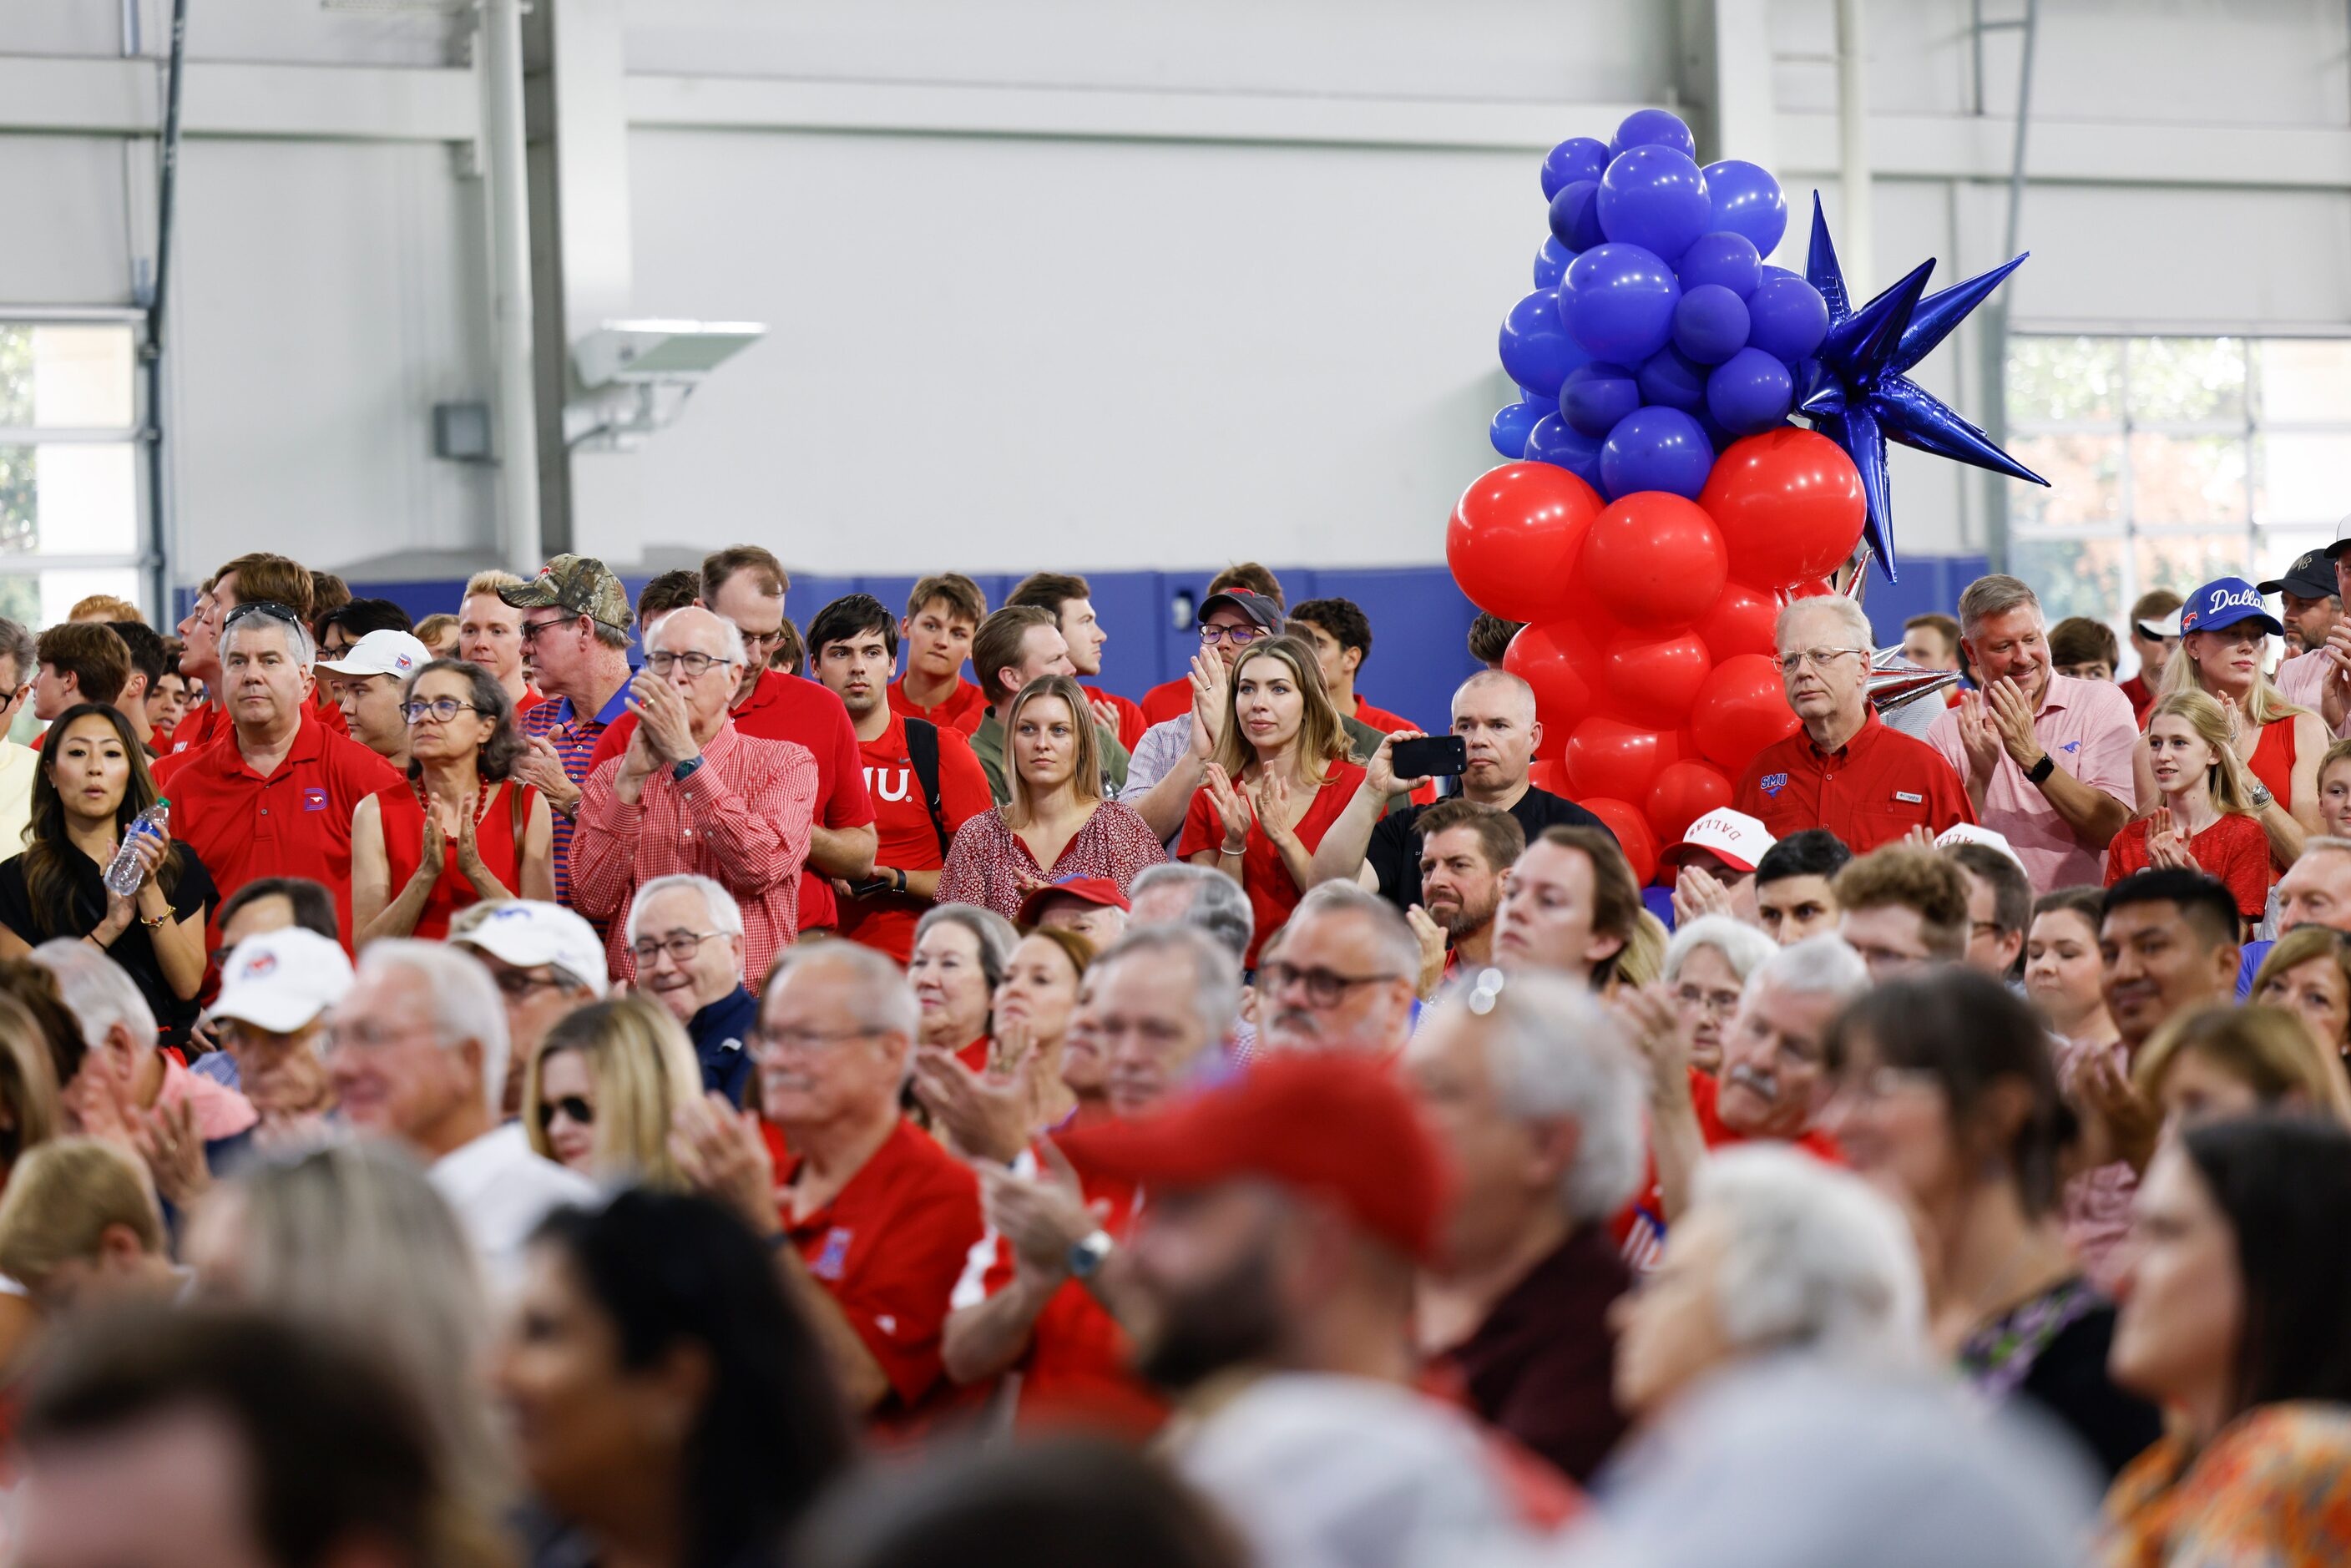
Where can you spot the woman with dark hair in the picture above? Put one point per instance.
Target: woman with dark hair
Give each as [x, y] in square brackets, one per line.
[461, 829]
[1945, 1092]
[2239, 1289]
[92, 782]
[671, 1409]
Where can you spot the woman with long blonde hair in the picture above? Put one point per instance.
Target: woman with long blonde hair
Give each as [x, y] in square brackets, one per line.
[1056, 824]
[2224, 633]
[599, 1093]
[1280, 776]
[2207, 821]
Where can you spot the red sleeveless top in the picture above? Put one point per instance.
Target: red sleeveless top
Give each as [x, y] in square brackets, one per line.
[505, 817]
[2273, 759]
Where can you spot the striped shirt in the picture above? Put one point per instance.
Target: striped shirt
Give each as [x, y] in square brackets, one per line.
[574, 739]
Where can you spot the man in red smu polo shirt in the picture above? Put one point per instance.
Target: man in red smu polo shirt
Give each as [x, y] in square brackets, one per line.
[852, 643]
[880, 1217]
[744, 584]
[1845, 770]
[275, 796]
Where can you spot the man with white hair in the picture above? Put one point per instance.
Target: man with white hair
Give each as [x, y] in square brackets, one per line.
[1844, 769]
[685, 932]
[274, 797]
[872, 1219]
[1198, 896]
[1537, 1095]
[171, 1106]
[1773, 1086]
[1345, 977]
[692, 793]
[2047, 758]
[418, 1052]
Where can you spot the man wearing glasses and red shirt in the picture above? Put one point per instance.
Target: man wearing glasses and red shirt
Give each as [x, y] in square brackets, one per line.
[1170, 760]
[1845, 770]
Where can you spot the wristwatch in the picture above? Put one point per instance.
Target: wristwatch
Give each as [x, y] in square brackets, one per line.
[2040, 771]
[1086, 1255]
[685, 769]
[2259, 794]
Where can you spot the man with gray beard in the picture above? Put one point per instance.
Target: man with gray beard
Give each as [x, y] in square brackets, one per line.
[1773, 1083]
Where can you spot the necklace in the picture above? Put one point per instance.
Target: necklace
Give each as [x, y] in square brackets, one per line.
[477, 800]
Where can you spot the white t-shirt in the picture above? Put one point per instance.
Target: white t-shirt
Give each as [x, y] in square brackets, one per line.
[500, 1191]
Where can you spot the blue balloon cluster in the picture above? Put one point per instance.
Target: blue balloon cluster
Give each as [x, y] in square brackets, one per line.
[1656, 335]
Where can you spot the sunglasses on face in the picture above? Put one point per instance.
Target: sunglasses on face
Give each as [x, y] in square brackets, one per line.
[571, 1105]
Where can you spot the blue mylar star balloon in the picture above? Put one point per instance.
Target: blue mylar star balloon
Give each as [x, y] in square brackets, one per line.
[1854, 390]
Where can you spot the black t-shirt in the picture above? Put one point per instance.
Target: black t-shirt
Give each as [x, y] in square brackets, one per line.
[133, 949]
[1394, 851]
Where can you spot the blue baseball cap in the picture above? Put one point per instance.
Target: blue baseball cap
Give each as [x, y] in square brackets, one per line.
[2226, 601]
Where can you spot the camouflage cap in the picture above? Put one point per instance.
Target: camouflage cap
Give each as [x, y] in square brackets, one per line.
[578, 584]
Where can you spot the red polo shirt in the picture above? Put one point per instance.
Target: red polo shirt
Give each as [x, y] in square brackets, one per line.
[1379, 718]
[295, 822]
[1882, 785]
[785, 708]
[907, 838]
[205, 725]
[1640, 1230]
[889, 1249]
[1164, 701]
[960, 713]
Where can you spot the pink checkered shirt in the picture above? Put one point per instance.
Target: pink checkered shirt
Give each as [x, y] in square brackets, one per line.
[2088, 727]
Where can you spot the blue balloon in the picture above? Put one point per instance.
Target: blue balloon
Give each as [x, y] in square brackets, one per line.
[1553, 441]
[1511, 422]
[1747, 200]
[1656, 198]
[1671, 378]
[1710, 323]
[1786, 317]
[1654, 128]
[1537, 353]
[1749, 392]
[1618, 302]
[1596, 396]
[1577, 157]
[1728, 259]
[1551, 263]
[1654, 449]
[1574, 223]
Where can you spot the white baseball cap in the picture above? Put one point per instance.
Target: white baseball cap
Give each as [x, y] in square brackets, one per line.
[1737, 840]
[525, 934]
[282, 980]
[1969, 834]
[383, 652]
[2164, 626]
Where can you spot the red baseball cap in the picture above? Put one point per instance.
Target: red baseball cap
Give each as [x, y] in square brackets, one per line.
[1338, 1126]
[1089, 889]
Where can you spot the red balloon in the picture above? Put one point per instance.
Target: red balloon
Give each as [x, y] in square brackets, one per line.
[1789, 504]
[1654, 560]
[1741, 709]
[1812, 588]
[1656, 677]
[1562, 662]
[1740, 623]
[1609, 756]
[1514, 539]
[1684, 792]
[1549, 773]
[1633, 835]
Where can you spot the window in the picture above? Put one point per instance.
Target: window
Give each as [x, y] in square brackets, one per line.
[69, 479]
[2172, 461]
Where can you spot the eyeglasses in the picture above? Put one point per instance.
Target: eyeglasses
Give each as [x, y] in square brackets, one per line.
[1238, 636]
[530, 628]
[681, 946]
[762, 641]
[571, 1105]
[516, 984]
[803, 1041]
[1323, 987]
[1721, 1004]
[696, 665]
[1819, 658]
[443, 710]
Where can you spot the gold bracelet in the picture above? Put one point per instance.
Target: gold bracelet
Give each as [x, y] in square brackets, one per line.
[155, 924]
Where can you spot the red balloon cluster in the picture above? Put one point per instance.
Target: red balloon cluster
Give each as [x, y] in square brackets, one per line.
[1648, 641]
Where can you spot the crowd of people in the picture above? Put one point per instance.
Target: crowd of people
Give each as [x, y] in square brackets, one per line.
[578, 1081]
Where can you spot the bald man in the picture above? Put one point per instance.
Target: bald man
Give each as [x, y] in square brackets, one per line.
[1494, 714]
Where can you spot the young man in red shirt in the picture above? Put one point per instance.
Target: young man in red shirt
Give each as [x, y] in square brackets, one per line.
[1070, 602]
[1342, 635]
[1173, 698]
[746, 585]
[943, 615]
[918, 804]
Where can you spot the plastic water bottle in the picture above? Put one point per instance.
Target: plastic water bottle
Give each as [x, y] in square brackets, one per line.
[123, 876]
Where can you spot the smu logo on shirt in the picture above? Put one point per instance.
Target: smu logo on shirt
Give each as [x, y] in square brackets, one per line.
[2071, 745]
[1773, 783]
[833, 1261]
[314, 799]
[890, 784]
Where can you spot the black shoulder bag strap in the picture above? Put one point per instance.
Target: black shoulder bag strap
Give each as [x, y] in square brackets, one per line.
[923, 756]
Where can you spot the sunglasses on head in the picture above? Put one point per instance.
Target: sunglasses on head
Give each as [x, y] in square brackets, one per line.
[262, 607]
[571, 1105]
